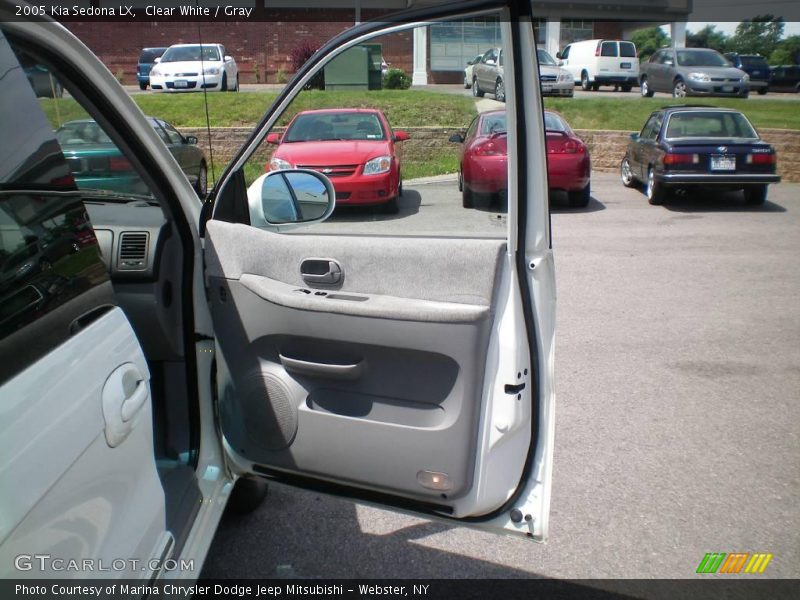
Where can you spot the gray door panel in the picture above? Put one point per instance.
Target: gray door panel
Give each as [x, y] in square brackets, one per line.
[366, 398]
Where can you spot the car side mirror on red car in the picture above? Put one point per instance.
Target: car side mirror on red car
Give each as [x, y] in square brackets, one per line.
[400, 136]
[274, 138]
[456, 138]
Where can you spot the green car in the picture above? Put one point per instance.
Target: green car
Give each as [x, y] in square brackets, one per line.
[97, 163]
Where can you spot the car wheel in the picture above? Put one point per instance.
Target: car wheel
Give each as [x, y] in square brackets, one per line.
[679, 89]
[467, 84]
[585, 84]
[235, 87]
[626, 173]
[224, 85]
[467, 197]
[460, 181]
[400, 185]
[627, 88]
[476, 90]
[745, 95]
[762, 91]
[142, 86]
[755, 194]
[247, 495]
[201, 185]
[654, 190]
[500, 91]
[391, 207]
[644, 88]
[580, 198]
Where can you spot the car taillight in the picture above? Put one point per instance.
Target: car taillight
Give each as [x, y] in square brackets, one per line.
[597, 50]
[566, 147]
[490, 148]
[681, 159]
[119, 163]
[761, 159]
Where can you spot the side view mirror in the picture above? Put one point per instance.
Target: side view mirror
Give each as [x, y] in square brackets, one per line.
[491, 62]
[400, 136]
[634, 137]
[558, 55]
[228, 58]
[273, 138]
[456, 138]
[157, 59]
[668, 62]
[290, 197]
[190, 139]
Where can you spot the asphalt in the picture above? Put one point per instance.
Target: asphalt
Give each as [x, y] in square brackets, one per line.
[678, 421]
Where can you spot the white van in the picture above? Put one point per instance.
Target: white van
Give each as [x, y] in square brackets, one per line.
[601, 62]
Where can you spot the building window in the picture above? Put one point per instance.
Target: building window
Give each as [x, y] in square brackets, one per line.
[453, 44]
[575, 30]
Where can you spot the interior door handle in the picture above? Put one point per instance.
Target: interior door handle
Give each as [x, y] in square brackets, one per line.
[326, 370]
[325, 271]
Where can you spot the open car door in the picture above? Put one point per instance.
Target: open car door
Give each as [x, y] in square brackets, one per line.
[376, 356]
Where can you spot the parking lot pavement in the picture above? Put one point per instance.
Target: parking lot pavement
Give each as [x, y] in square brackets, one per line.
[678, 376]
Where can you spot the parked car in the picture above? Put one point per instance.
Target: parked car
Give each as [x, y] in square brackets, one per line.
[97, 163]
[692, 72]
[203, 352]
[688, 147]
[483, 168]
[147, 58]
[468, 70]
[601, 62]
[487, 75]
[185, 67]
[755, 66]
[356, 148]
[554, 80]
[785, 78]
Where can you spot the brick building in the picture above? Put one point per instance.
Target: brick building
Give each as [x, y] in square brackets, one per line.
[433, 54]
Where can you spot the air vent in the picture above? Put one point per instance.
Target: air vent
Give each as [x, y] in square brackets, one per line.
[133, 251]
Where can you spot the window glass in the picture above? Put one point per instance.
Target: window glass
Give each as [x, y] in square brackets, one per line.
[172, 134]
[565, 53]
[627, 49]
[576, 30]
[190, 53]
[648, 131]
[454, 43]
[709, 124]
[608, 49]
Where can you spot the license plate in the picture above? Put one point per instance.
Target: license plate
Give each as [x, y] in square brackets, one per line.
[624, 65]
[723, 162]
[181, 83]
[727, 88]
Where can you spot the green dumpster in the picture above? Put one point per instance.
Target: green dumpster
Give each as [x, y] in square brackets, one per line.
[356, 69]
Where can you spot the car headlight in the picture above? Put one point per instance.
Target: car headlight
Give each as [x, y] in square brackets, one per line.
[211, 71]
[378, 165]
[564, 76]
[276, 164]
[154, 72]
[699, 77]
[746, 78]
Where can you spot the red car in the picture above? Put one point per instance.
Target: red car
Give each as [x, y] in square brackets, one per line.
[355, 148]
[483, 168]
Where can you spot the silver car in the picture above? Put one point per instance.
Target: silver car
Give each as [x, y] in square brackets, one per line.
[691, 72]
[554, 80]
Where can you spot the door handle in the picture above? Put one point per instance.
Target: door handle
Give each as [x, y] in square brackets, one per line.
[124, 395]
[321, 271]
[134, 403]
[329, 371]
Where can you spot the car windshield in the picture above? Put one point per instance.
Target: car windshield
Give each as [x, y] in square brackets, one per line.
[149, 55]
[190, 53]
[700, 58]
[81, 133]
[754, 62]
[335, 126]
[544, 58]
[493, 123]
[553, 122]
[709, 124]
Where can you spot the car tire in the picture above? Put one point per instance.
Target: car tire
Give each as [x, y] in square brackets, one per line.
[235, 87]
[247, 495]
[746, 95]
[653, 190]
[467, 197]
[644, 88]
[142, 86]
[585, 83]
[626, 173]
[500, 91]
[627, 88]
[391, 207]
[224, 85]
[467, 84]
[755, 194]
[460, 181]
[476, 90]
[580, 198]
[763, 91]
[679, 88]
[201, 185]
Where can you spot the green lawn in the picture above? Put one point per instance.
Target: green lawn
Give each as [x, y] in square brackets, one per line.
[629, 114]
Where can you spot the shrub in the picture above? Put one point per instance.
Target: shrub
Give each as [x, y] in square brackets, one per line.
[396, 79]
[299, 56]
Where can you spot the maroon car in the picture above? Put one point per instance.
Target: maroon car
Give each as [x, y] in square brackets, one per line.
[483, 167]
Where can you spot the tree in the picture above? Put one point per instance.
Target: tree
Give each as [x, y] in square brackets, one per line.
[649, 40]
[758, 36]
[787, 52]
[707, 37]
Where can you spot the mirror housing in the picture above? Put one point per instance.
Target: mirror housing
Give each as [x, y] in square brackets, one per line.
[191, 139]
[558, 55]
[456, 138]
[400, 136]
[491, 62]
[274, 138]
[157, 59]
[634, 137]
[228, 58]
[668, 62]
[279, 200]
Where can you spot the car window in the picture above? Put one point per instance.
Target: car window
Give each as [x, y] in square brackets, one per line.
[172, 134]
[627, 50]
[190, 54]
[651, 127]
[608, 49]
[553, 122]
[754, 62]
[148, 56]
[709, 124]
[545, 58]
[493, 123]
[565, 52]
[699, 58]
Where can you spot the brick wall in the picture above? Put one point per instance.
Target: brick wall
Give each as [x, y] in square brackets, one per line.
[606, 147]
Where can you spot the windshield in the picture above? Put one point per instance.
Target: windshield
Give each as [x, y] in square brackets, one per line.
[335, 126]
[754, 62]
[190, 53]
[81, 132]
[699, 58]
[553, 122]
[710, 124]
[544, 58]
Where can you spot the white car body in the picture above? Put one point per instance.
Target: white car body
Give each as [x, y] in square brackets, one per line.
[468, 71]
[601, 62]
[81, 480]
[215, 72]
